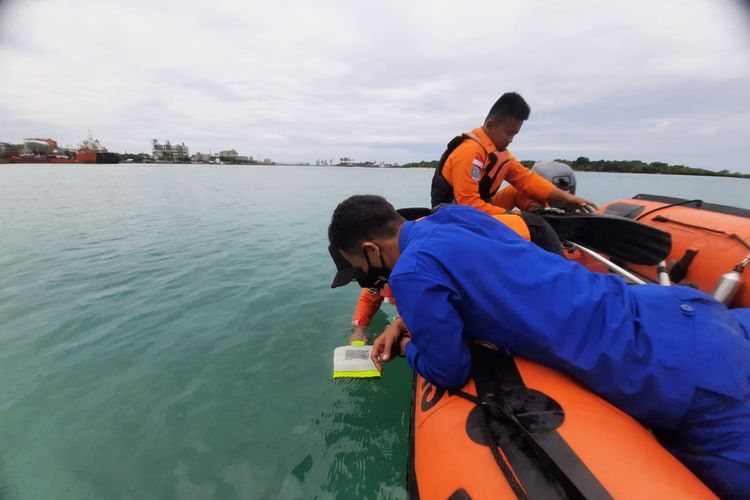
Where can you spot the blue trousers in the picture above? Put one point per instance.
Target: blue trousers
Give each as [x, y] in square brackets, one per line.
[714, 442]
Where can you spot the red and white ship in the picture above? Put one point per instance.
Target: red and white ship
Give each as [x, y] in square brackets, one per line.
[91, 151]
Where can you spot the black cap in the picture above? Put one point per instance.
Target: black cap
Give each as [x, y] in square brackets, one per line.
[345, 272]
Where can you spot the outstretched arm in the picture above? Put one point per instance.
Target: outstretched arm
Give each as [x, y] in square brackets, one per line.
[367, 305]
[437, 349]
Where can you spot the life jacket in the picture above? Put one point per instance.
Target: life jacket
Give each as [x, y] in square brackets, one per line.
[442, 191]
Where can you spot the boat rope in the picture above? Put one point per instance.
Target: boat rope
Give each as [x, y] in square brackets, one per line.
[560, 473]
[501, 462]
[697, 202]
[734, 236]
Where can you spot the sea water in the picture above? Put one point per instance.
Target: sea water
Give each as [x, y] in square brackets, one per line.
[167, 331]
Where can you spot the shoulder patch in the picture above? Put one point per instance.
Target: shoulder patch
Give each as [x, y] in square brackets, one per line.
[476, 171]
[476, 167]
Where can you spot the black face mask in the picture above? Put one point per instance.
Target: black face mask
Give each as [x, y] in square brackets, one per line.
[375, 277]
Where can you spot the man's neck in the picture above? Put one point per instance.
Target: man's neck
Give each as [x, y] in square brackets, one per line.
[392, 248]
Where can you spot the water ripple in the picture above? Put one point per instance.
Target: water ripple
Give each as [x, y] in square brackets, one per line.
[167, 332]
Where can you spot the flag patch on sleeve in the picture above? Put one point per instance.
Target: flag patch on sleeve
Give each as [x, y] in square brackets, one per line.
[476, 168]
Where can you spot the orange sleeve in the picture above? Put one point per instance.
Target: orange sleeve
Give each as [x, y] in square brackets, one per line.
[457, 171]
[510, 197]
[367, 305]
[528, 182]
[506, 198]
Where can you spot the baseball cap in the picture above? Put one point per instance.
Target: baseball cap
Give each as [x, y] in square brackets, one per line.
[345, 272]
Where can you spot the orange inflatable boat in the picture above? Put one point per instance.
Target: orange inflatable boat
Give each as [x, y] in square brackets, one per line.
[708, 241]
[521, 430]
[533, 433]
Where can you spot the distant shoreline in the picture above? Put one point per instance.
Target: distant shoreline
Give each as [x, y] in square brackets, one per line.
[583, 164]
[601, 166]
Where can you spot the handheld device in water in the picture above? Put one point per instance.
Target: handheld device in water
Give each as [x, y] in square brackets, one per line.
[353, 361]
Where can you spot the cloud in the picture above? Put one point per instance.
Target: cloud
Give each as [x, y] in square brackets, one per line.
[383, 81]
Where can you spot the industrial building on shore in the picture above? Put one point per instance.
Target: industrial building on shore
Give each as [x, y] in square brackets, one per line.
[168, 153]
[47, 150]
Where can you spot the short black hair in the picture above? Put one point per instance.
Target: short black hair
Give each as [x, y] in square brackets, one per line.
[511, 105]
[362, 217]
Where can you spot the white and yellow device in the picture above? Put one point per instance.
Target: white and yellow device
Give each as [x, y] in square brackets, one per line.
[353, 361]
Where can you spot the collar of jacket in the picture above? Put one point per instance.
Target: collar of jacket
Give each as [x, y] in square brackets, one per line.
[480, 136]
[404, 236]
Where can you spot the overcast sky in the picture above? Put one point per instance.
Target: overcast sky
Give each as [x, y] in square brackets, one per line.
[665, 80]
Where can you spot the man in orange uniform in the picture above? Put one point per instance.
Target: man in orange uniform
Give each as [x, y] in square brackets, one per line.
[476, 163]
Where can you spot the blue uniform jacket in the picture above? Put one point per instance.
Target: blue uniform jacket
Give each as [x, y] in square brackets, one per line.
[462, 276]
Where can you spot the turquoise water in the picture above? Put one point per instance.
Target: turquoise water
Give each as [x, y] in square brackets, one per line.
[167, 332]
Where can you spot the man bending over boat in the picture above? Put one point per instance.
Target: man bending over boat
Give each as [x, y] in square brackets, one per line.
[375, 289]
[672, 357]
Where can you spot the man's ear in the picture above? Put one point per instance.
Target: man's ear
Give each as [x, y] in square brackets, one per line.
[370, 248]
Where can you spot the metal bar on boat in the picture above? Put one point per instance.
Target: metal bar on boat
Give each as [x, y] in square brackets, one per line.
[663, 274]
[611, 265]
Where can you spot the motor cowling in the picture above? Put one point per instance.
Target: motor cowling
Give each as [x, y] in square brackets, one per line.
[559, 174]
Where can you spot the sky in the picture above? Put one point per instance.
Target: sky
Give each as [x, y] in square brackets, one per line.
[389, 81]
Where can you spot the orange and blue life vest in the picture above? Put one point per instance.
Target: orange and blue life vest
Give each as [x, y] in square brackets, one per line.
[472, 169]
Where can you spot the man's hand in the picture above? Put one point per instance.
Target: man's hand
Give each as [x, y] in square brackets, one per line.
[535, 207]
[358, 333]
[382, 348]
[572, 201]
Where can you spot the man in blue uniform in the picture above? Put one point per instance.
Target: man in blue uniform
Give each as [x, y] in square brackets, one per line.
[672, 357]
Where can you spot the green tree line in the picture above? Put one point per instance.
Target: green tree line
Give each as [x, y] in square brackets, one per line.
[584, 164]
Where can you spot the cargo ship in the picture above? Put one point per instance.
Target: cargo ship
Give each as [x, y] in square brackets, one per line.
[41, 150]
[91, 151]
[46, 150]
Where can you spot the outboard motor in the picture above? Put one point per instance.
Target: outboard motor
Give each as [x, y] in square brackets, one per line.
[559, 174]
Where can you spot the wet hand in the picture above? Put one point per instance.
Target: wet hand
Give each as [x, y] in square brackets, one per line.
[358, 333]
